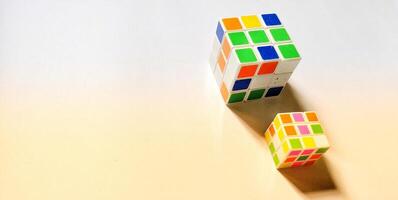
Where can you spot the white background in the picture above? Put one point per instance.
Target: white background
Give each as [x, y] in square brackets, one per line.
[115, 100]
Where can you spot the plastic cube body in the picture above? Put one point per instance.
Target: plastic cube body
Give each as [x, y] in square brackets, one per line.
[252, 58]
[296, 139]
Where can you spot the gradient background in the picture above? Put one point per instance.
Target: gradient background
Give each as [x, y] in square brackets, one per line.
[115, 100]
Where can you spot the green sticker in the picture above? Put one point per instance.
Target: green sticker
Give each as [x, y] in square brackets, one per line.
[316, 128]
[238, 38]
[256, 94]
[246, 55]
[258, 36]
[295, 143]
[237, 97]
[276, 160]
[288, 51]
[321, 150]
[301, 158]
[280, 34]
[272, 148]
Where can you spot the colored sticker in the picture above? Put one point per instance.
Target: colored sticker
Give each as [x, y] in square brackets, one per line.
[310, 162]
[290, 130]
[232, 24]
[267, 68]
[301, 158]
[246, 55]
[219, 32]
[307, 152]
[286, 118]
[311, 116]
[241, 84]
[315, 156]
[251, 21]
[272, 148]
[295, 143]
[316, 128]
[268, 137]
[321, 150]
[238, 38]
[279, 34]
[237, 97]
[274, 91]
[256, 94]
[247, 71]
[258, 36]
[226, 48]
[276, 160]
[224, 92]
[272, 129]
[303, 129]
[291, 159]
[267, 52]
[289, 51]
[297, 164]
[309, 142]
[271, 19]
[281, 135]
[294, 153]
[285, 147]
[298, 117]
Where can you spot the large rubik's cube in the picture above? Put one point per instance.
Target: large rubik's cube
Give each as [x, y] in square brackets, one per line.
[296, 139]
[252, 58]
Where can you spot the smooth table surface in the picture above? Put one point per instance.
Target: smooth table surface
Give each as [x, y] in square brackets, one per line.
[115, 100]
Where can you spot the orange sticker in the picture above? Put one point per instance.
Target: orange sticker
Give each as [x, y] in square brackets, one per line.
[224, 92]
[232, 24]
[267, 68]
[221, 62]
[286, 118]
[226, 47]
[247, 71]
[272, 130]
[290, 130]
[311, 116]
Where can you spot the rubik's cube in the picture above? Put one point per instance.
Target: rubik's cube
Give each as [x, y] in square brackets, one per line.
[296, 139]
[252, 57]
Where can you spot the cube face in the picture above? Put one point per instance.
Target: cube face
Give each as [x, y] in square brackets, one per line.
[252, 55]
[296, 139]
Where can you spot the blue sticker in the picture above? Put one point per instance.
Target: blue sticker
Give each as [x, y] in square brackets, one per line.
[219, 32]
[268, 52]
[271, 19]
[241, 84]
[274, 91]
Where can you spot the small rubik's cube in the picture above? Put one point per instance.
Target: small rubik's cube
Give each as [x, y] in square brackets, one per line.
[296, 139]
[252, 58]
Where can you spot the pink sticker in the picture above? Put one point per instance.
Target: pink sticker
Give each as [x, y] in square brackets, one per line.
[294, 153]
[308, 151]
[298, 117]
[304, 129]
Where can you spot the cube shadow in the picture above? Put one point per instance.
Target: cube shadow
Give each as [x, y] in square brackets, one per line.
[258, 115]
[313, 178]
